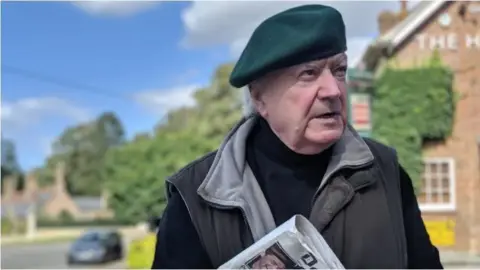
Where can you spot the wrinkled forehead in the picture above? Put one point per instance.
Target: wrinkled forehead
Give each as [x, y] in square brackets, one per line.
[338, 60]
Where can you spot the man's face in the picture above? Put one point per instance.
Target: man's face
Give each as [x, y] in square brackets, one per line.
[269, 262]
[306, 104]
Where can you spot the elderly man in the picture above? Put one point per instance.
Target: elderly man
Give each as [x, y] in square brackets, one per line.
[295, 154]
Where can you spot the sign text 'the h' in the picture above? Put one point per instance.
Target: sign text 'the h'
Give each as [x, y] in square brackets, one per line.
[450, 41]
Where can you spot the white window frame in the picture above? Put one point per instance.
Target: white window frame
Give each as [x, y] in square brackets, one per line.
[442, 207]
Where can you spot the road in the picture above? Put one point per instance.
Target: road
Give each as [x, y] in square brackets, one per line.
[42, 256]
[52, 256]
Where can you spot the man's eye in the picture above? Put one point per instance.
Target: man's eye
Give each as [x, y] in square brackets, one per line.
[341, 72]
[308, 74]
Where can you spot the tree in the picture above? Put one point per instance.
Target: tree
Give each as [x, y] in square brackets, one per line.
[9, 158]
[10, 164]
[136, 171]
[83, 148]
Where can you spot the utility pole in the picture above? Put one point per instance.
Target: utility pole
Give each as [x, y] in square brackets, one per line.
[32, 220]
[10, 189]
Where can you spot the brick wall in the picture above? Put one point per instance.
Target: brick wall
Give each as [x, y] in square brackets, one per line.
[61, 200]
[9, 188]
[31, 187]
[461, 54]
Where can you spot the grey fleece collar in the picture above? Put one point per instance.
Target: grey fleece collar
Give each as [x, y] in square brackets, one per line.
[231, 183]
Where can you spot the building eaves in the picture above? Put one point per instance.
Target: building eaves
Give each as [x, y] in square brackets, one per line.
[423, 12]
[388, 42]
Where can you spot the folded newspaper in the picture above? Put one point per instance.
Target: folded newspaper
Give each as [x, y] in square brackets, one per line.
[295, 244]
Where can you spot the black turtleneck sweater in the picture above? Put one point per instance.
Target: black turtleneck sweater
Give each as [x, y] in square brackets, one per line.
[288, 180]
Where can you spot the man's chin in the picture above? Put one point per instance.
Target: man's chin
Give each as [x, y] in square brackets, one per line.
[325, 136]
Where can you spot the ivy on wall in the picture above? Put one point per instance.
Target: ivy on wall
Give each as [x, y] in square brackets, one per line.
[412, 106]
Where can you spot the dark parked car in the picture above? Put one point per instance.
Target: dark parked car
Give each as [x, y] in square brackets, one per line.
[96, 247]
[153, 223]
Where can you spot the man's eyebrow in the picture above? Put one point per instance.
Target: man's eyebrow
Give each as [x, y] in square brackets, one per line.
[315, 64]
[341, 58]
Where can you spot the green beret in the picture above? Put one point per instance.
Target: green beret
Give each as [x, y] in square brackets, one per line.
[289, 38]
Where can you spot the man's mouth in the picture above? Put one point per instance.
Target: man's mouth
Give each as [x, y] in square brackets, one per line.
[328, 115]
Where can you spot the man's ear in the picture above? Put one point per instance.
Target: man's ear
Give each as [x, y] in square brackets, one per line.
[258, 100]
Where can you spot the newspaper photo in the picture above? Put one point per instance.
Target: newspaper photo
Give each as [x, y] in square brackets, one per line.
[295, 244]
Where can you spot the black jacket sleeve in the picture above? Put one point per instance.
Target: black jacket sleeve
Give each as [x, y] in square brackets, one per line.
[178, 244]
[421, 252]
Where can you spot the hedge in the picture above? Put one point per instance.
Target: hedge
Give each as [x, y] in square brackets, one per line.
[412, 106]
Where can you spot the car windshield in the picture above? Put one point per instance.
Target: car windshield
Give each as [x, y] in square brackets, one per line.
[91, 237]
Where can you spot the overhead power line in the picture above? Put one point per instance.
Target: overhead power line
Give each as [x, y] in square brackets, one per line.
[38, 76]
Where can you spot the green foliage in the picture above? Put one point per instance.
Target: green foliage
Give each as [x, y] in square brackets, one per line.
[83, 149]
[136, 171]
[65, 216]
[9, 156]
[9, 227]
[412, 106]
[9, 164]
[59, 222]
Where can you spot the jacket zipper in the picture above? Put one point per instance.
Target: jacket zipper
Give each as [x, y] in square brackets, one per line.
[317, 193]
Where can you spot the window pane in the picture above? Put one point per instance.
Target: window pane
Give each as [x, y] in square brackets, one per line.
[446, 197]
[434, 168]
[436, 198]
[445, 168]
[434, 182]
[445, 183]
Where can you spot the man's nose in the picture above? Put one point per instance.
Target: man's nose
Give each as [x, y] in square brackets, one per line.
[328, 85]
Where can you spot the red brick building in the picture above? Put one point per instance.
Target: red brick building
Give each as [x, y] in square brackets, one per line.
[450, 195]
[50, 201]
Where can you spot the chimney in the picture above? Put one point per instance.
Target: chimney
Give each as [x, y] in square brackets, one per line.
[403, 10]
[9, 187]
[386, 21]
[60, 177]
[31, 186]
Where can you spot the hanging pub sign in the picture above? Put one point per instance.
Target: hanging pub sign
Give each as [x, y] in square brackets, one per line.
[360, 112]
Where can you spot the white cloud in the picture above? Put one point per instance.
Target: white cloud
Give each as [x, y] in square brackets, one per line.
[115, 8]
[29, 123]
[45, 145]
[162, 101]
[23, 115]
[210, 23]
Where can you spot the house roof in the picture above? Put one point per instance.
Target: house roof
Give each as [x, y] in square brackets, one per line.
[21, 208]
[419, 15]
[87, 203]
[407, 27]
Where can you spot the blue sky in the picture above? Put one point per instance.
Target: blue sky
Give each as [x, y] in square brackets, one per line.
[143, 58]
[120, 56]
